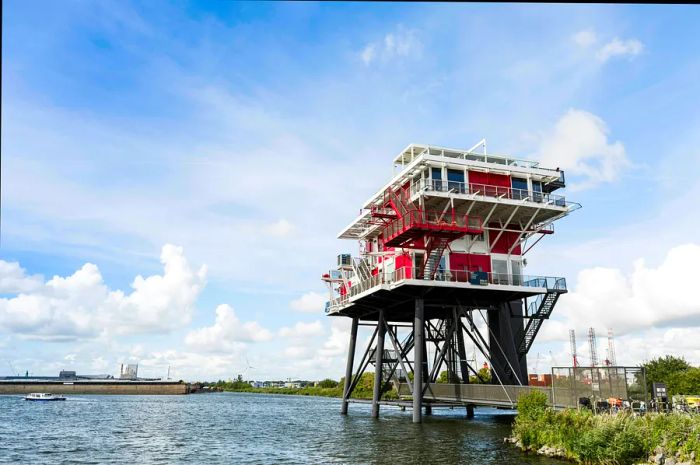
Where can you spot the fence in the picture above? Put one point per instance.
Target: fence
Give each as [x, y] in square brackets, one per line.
[570, 384]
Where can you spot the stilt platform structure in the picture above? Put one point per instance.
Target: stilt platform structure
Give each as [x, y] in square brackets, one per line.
[441, 261]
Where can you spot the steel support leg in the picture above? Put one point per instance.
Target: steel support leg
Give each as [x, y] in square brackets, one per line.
[379, 361]
[349, 367]
[419, 354]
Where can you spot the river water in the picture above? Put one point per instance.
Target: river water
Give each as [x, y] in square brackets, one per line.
[238, 428]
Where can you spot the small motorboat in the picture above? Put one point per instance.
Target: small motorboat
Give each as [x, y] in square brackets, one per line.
[43, 396]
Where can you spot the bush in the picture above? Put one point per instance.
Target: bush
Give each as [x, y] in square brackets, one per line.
[620, 438]
[532, 405]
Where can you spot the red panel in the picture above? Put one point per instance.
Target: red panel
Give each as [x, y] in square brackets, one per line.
[470, 262]
[505, 242]
[403, 261]
[489, 179]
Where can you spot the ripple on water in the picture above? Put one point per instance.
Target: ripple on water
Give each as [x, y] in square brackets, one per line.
[226, 428]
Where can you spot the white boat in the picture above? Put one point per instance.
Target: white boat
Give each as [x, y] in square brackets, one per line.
[43, 396]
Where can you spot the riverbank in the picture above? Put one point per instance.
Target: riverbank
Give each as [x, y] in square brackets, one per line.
[622, 438]
[363, 390]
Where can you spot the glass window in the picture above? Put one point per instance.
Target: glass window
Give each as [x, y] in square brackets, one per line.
[537, 191]
[455, 180]
[500, 271]
[519, 188]
[517, 271]
[436, 174]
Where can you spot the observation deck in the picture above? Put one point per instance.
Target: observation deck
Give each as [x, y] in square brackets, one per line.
[475, 288]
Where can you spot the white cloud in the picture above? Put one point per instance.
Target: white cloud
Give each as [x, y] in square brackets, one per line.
[402, 43]
[82, 306]
[280, 228]
[579, 145]
[585, 38]
[614, 48]
[647, 297]
[617, 47]
[310, 302]
[13, 279]
[368, 53]
[302, 330]
[228, 333]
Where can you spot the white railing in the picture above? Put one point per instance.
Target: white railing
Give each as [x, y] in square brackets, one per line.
[482, 157]
[484, 190]
[476, 278]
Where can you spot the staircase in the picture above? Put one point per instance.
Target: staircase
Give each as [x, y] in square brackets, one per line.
[436, 247]
[538, 311]
[362, 269]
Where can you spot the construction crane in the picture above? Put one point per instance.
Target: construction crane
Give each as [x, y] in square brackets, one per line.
[572, 341]
[537, 363]
[592, 345]
[611, 359]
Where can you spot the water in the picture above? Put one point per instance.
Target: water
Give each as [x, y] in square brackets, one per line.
[236, 428]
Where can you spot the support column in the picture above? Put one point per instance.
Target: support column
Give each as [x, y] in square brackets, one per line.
[464, 368]
[348, 366]
[378, 362]
[419, 354]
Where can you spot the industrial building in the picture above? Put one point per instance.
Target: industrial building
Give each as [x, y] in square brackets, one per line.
[441, 259]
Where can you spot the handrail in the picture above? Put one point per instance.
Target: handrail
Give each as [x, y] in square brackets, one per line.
[484, 157]
[486, 190]
[476, 278]
[441, 220]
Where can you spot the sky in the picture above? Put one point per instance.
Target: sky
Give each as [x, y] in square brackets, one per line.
[174, 174]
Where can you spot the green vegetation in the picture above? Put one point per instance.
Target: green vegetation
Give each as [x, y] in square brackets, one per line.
[679, 376]
[325, 388]
[483, 378]
[620, 438]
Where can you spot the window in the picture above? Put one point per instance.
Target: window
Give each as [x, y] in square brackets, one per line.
[519, 188]
[500, 271]
[516, 269]
[436, 174]
[537, 191]
[455, 180]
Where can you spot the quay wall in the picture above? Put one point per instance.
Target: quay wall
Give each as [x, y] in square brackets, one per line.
[118, 388]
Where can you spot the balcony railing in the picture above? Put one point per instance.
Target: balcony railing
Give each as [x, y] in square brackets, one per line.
[424, 220]
[475, 278]
[485, 190]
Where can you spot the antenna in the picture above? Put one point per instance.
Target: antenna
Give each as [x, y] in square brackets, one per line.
[592, 346]
[572, 340]
[612, 360]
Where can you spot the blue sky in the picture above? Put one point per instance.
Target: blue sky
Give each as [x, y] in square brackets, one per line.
[241, 137]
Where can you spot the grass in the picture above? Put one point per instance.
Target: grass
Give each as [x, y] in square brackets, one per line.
[621, 438]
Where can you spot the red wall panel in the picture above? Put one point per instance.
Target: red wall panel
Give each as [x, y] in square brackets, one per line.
[489, 179]
[505, 242]
[470, 262]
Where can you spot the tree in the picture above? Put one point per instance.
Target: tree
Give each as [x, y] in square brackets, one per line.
[672, 371]
[328, 383]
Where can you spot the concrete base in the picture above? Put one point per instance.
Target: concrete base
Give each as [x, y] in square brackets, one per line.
[91, 387]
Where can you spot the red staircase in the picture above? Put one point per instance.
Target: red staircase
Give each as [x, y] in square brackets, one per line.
[409, 227]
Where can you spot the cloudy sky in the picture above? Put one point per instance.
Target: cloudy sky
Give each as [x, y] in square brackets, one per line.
[174, 174]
